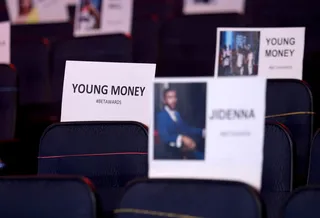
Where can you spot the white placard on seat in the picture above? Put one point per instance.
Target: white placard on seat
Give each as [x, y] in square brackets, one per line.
[102, 17]
[208, 129]
[5, 42]
[191, 7]
[71, 2]
[37, 11]
[275, 53]
[100, 91]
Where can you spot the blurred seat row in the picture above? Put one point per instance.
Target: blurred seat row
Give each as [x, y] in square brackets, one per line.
[75, 197]
[112, 154]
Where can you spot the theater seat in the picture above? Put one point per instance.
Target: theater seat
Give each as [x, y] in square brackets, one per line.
[304, 203]
[52, 31]
[148, 16]
[145, 40]
[314, 168]
[290, 102]
[189, 198]
[109, 153]
[277, 168]
[8, 102]
[144, 9]
[49, 197]
[31, 58]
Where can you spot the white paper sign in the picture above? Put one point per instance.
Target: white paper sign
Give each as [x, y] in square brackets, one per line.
[71, 2]
[99, 17]
[270, 52]
[5, 42]
[99, 91]
[208, 129]
[37, 11]
[213, 6]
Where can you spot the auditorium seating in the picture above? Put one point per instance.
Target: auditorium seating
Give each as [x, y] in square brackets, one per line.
[148, 17]
[290, 102]
[277, 177]
[145, 43]
[8, 102]
[145, 9]
[189, 198]
[33, 70]
[53, 31]
[48, 197]
[314, 168]
[303, 203]
[109, 153]
[112, 154]
[34, 82]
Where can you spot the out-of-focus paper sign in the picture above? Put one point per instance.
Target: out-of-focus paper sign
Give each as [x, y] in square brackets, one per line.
[37, 11]
[71, 2]
[5, 42]
[270, 52]
[208, 129]
[213, 6]
[98, 91]
[99, 17]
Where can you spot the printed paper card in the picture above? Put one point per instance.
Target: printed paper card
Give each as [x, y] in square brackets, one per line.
[5, 42]
[208, 129]
[71, 2]
[269, 52]
[99, 17]
[100, 91]
[37, 11]
[213, 6]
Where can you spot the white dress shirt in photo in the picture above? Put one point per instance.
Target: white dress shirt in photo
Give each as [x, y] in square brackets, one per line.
[173, 116]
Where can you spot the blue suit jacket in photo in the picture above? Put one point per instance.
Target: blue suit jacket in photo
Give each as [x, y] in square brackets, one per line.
[169, 130]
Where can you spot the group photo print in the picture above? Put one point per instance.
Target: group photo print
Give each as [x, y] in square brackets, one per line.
[179, 121]
[238, 53]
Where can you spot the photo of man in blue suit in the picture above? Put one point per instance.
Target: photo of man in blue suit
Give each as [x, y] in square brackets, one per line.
[176, 136]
